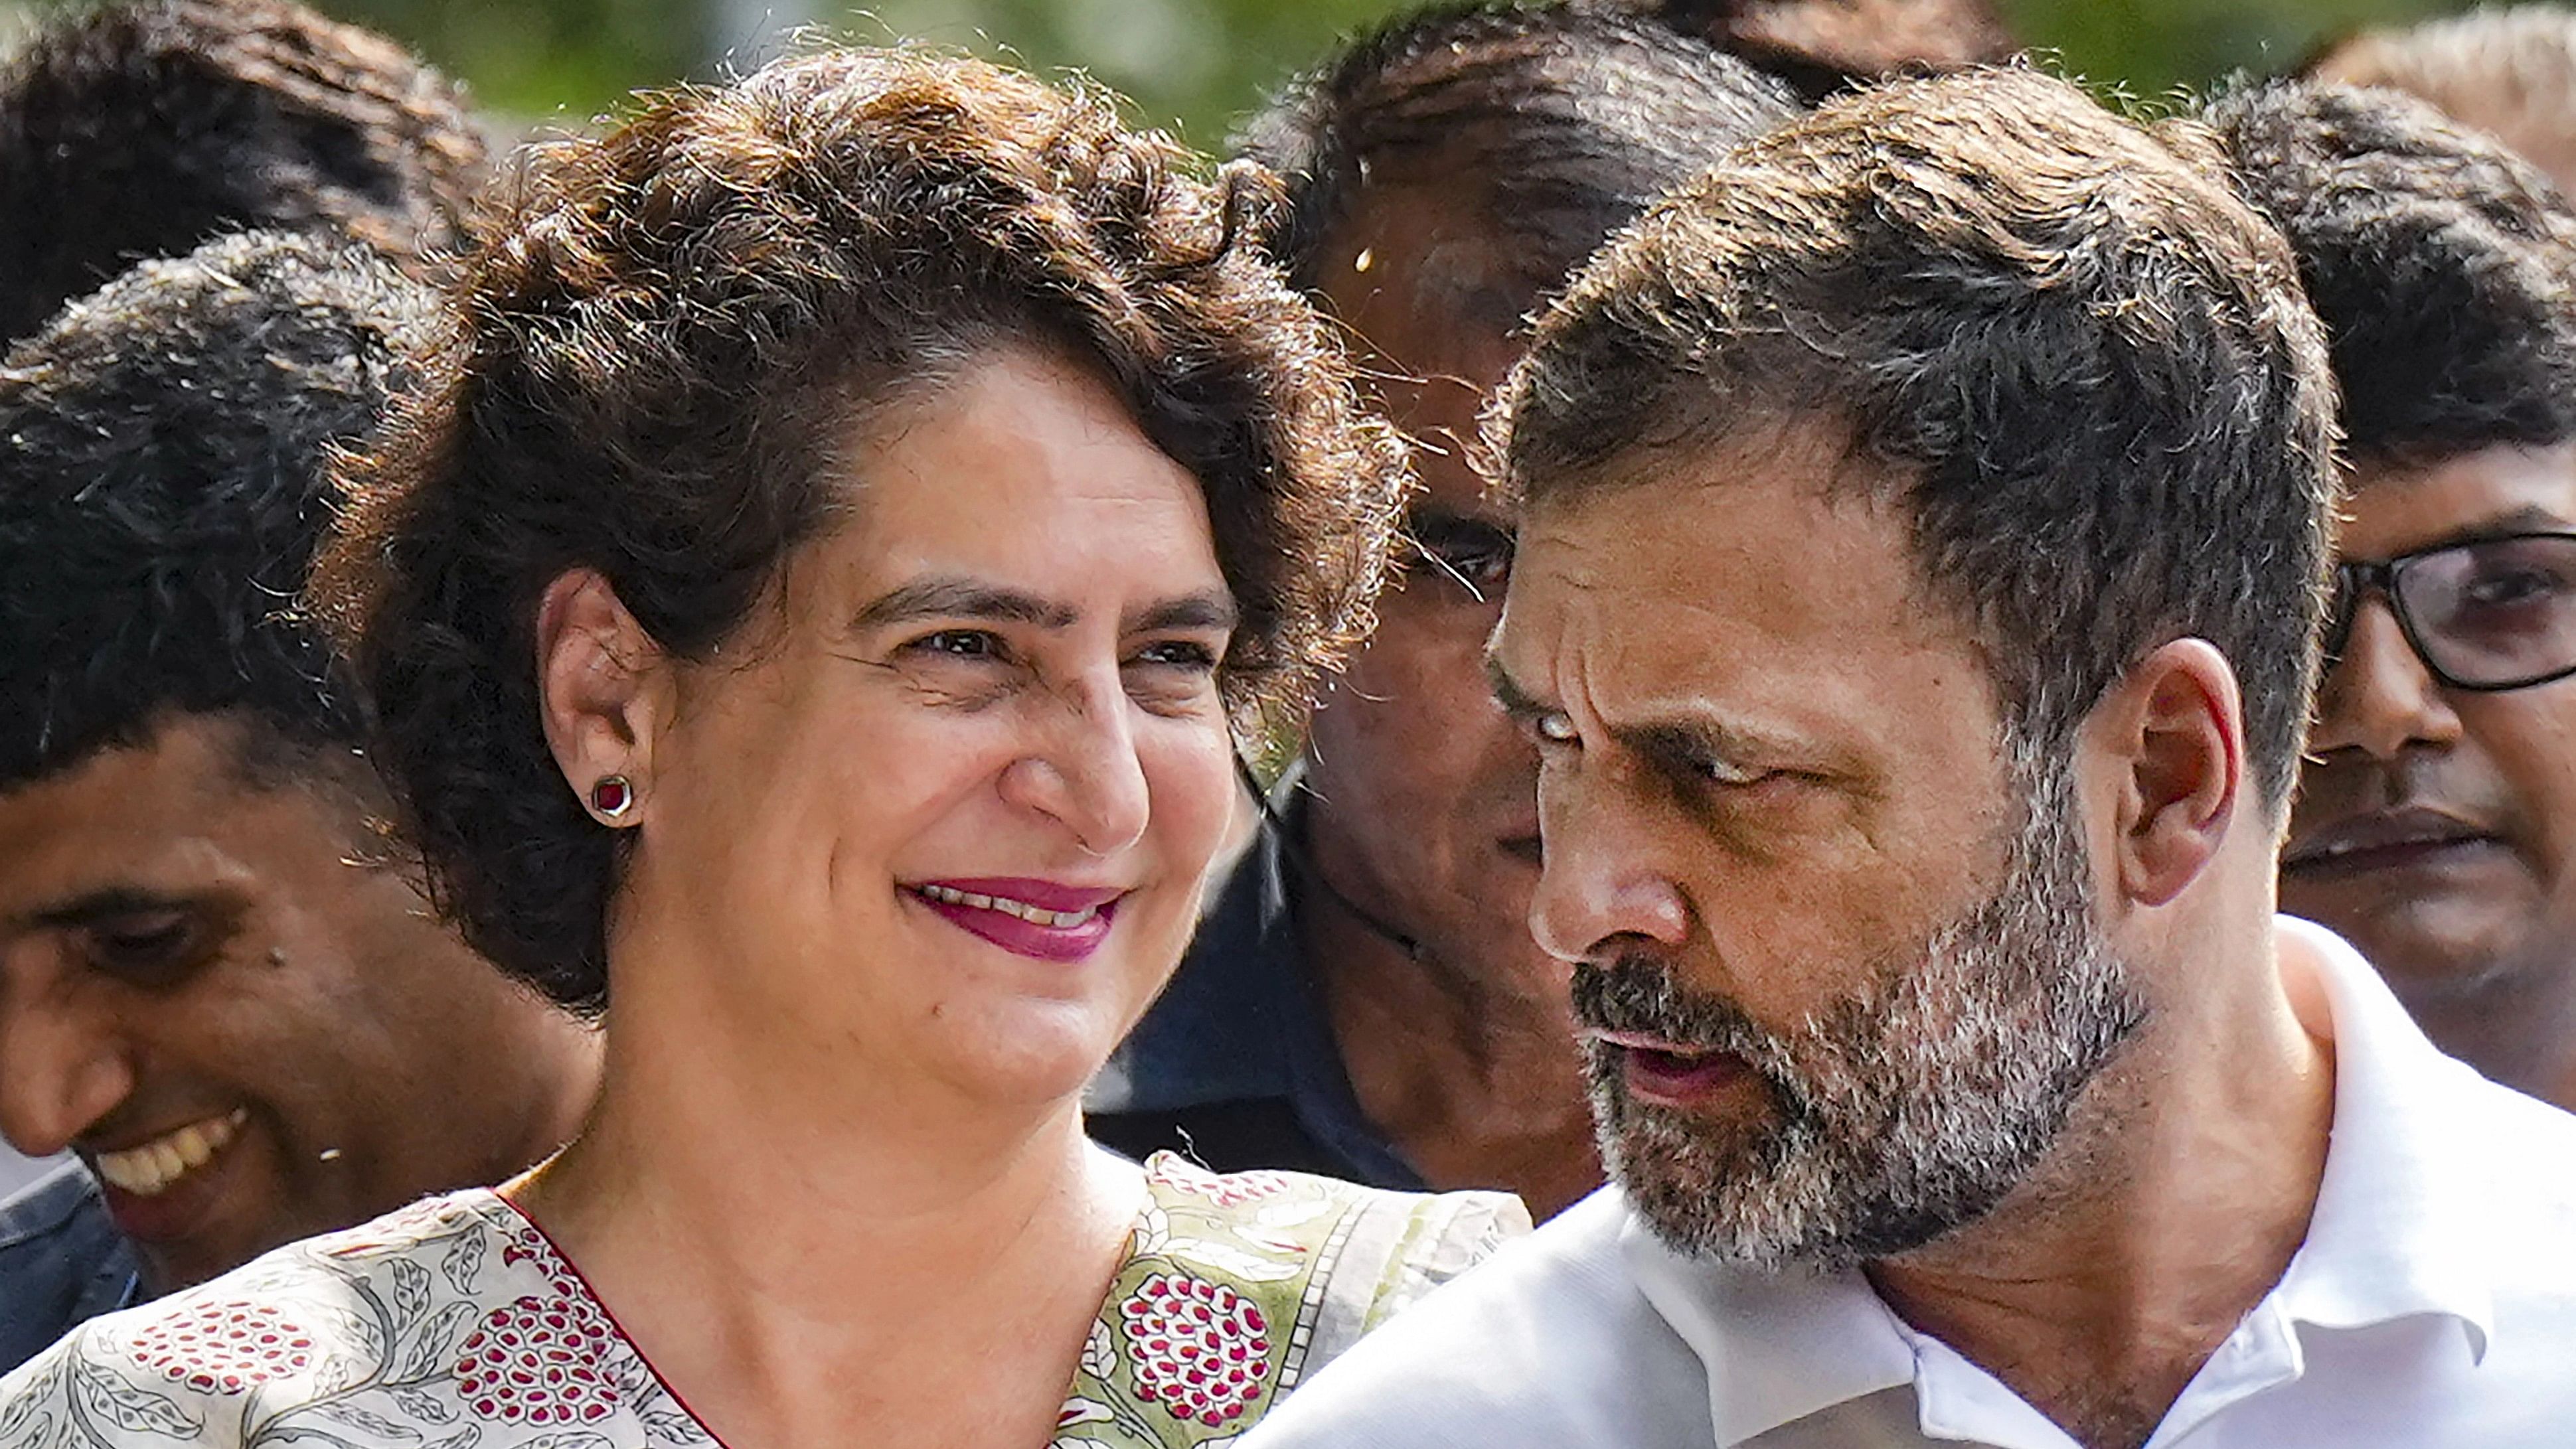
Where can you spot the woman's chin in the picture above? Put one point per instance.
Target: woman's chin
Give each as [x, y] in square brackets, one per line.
[1031, 1056]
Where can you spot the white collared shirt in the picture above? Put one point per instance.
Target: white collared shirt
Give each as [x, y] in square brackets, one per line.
[2432, 1305]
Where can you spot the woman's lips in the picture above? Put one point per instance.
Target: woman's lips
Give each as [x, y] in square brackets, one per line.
[1041, 919]
[1672, 1074]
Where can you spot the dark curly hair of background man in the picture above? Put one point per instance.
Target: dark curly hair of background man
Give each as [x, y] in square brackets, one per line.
[141, 130]
[2439, 261]
[166, 450]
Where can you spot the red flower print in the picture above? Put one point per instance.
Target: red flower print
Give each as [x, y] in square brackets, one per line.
[1198, 1347]
[538, 1362]
[224, 1347]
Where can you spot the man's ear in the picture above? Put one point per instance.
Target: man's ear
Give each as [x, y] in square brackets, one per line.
[603, 688]
[2165, 751]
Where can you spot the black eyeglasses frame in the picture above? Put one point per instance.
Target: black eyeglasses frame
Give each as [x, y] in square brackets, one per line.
[2354, 579]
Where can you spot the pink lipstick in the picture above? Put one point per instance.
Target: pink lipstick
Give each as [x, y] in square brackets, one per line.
[1035, 918]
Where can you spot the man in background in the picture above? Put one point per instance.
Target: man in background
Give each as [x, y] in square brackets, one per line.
[215, 985]
[2436, 823]
[1364, 999]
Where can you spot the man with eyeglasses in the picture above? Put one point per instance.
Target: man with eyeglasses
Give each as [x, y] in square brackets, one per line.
[2436, 824]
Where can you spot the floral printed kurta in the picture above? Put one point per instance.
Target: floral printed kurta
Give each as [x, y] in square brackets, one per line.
[454, 1324]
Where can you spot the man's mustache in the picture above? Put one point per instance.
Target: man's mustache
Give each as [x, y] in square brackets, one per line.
[1636, 993]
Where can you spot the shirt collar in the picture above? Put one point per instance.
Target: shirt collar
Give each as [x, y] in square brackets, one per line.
[2395, 1234]
[2398, 1230]
[1816, 1340]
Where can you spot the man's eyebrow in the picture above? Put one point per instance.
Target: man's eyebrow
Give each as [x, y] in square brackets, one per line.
[962, 598]
[1207, 609]
[1430, 521]
[2529, 518]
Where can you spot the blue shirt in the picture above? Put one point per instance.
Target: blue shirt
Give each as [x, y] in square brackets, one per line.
[62, 1263]
[1235, 1065]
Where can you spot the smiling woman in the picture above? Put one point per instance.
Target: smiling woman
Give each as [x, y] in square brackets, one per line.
[812, 609]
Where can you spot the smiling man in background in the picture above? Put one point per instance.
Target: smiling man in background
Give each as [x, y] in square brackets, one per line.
[2436, 823]
[213, 986]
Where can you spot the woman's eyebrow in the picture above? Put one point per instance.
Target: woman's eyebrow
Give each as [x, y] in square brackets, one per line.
[962, 598]
[1206, 609]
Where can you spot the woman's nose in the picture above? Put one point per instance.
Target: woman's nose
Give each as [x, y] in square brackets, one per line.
[1086, 773]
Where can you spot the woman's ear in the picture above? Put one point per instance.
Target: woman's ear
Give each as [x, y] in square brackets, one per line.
[603, 691]
[2167, 750]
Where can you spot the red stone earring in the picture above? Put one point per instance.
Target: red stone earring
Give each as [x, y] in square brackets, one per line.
[612, 797]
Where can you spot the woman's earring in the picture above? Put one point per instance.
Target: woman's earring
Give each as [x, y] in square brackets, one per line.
[612, 797]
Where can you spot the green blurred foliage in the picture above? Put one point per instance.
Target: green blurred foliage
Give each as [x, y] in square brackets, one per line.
[1198, 65]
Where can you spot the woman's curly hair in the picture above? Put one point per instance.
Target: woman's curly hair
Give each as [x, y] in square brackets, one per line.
[670, 328]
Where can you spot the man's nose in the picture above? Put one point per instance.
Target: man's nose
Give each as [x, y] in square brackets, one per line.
[1601, 881]
[1086, 774]
[63, 1066]
[2379, 698]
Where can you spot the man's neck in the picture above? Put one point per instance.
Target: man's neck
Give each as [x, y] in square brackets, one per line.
[1479, 1084]
[2171, 1208]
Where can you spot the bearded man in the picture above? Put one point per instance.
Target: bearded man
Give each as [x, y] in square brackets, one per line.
[1923, 519]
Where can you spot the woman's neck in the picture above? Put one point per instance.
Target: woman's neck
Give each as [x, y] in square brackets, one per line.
[799, 1248]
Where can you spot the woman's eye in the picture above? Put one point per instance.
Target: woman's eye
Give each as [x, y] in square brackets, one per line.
[958, 644]
[1178, 654]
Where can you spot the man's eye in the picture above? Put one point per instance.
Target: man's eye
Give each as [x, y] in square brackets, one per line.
[1554, 727]
[1732, 776]
[1474, 558]
[1483, 571]
[149, 950]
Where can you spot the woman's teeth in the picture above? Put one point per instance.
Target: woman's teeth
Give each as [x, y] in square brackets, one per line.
[1034, 915]
[149, 1170]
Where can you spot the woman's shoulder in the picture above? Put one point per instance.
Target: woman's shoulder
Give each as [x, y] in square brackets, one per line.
[1238, 1285]
[422, 1329]
[1380, 1249]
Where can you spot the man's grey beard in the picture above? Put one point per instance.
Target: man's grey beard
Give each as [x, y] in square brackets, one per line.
[1899, 1113]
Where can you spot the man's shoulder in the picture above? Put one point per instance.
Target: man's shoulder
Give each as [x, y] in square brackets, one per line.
[1549, 1343]
[62, 1261]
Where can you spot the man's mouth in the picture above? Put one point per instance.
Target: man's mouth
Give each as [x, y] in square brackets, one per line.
[153, 1168]
[2381, 840]
[1035, 918]
[1668, 1073]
